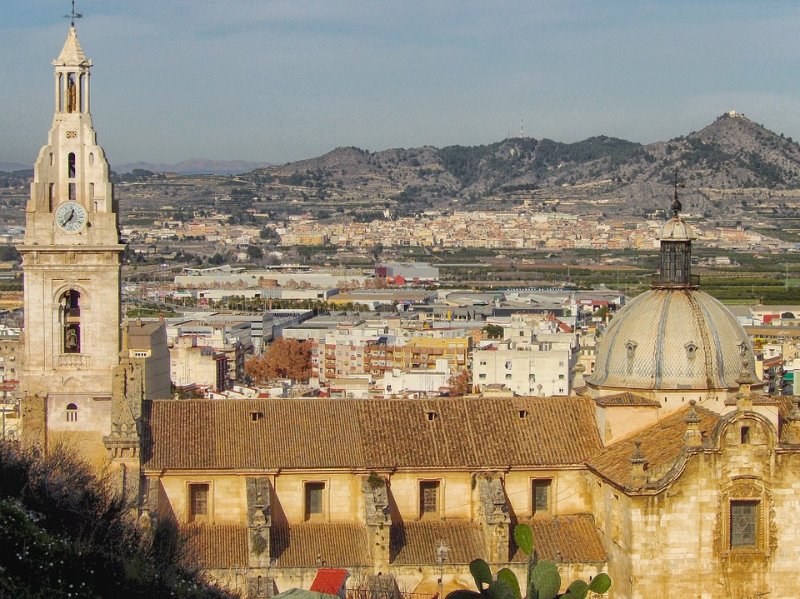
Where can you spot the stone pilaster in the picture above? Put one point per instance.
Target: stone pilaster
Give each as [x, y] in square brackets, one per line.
[378, 519]
[493, 515]
[259, 520]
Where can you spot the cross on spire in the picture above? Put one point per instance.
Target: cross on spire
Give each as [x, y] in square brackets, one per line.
[73, 15]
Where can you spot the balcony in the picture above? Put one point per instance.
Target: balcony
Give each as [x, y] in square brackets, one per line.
[73, 361]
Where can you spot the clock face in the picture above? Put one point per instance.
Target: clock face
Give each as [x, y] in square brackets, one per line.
[71, 217]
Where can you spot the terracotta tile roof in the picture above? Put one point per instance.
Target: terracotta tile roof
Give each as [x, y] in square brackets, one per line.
[626, 399]
[222, 434]
[661, 445]
[335, 543]
[572, 538]
[415, 542]
[218, 546]
[369, 434]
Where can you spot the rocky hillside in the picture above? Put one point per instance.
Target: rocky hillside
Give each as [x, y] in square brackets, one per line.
[732, 153]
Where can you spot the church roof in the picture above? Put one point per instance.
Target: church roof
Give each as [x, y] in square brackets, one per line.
[72, 53]
[677, 229]
[453, 433]
[661, 445]
[572, 538]
[671, 339]
[218, 546]
[415, 542]
[626, 399]
[336, 543]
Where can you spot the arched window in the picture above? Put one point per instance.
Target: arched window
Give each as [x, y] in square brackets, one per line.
[72, 412]
[71, 165]
[71, 321]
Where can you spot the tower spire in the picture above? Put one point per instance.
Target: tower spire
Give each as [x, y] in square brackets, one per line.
[73, 15]
[675, 271]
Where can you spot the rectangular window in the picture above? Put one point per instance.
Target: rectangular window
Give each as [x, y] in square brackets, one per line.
[314, 500]
[429, 498]
[198, 502]
[744, 523]
[540, 496]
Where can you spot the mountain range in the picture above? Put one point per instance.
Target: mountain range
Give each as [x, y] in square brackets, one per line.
[732, 153]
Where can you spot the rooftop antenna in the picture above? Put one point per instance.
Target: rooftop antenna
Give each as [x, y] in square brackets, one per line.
[522, 128]
[73, 15]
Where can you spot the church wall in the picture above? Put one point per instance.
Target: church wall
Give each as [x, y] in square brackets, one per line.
[569, 493]
[341, 497]
[227, 497]
[455, 490]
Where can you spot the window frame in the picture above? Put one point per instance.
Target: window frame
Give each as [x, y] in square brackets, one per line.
[422, 485]
[545, 483]
[310, 486]
[756, 513]
[196, 517]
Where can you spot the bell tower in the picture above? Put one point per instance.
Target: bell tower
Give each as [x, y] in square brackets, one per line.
[71, 261]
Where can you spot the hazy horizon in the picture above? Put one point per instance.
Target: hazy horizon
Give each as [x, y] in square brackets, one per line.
[282, 81]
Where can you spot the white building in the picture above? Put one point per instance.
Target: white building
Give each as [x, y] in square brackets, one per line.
[542, 368]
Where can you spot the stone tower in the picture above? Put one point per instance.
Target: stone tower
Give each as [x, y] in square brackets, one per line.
[71, 260]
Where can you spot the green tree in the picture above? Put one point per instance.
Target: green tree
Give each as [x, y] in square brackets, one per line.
[254, 252]
[493, 331]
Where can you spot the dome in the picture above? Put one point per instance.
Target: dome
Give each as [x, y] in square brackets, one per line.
[671, 339]
[677, 229]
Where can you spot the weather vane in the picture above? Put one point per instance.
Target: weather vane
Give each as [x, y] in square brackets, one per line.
[73, 15]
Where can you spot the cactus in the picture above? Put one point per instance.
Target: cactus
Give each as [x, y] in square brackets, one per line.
[543, 580]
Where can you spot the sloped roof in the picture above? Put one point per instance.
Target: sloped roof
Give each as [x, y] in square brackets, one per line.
[572, 538]
[369, 434]
[661, 445]
[626, 399]
[312, 543]
[72, 53]
[415, 542]
[218, 546]
[329, 580]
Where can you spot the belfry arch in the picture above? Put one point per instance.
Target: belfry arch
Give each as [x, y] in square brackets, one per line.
[69, 306]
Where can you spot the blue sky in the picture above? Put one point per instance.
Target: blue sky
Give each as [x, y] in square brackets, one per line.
[276, 81]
